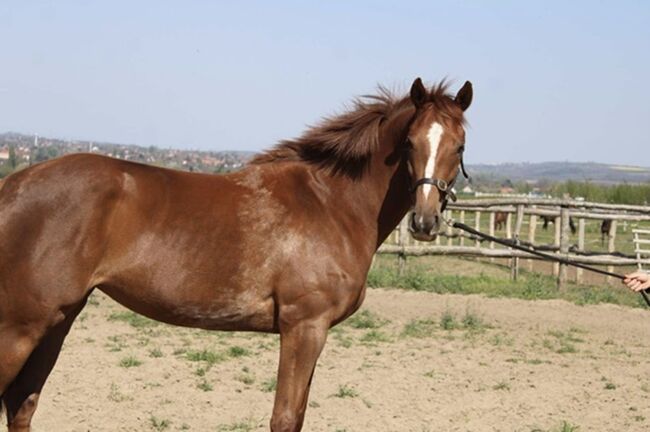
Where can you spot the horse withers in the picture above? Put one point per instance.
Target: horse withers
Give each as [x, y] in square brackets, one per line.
[282, 246]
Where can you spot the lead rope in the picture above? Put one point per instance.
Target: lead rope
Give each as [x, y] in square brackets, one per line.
[515, 245]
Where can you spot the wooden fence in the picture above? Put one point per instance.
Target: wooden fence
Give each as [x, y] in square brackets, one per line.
[528, 211]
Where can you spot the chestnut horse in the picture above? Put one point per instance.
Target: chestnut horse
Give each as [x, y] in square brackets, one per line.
[282, 246]
[500, 219]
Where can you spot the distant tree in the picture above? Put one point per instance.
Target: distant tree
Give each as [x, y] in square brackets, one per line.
[52, 152]
[5, 170]
[615, 194]
[13, 159]
[40, 154]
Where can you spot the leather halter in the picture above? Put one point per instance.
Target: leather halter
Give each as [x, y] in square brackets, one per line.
[445, 189]
[441, 185]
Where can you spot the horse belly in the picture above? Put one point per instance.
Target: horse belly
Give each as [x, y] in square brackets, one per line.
[211, 309]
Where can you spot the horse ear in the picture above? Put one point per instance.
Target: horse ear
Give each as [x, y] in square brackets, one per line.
[464, 95]
[418, 93]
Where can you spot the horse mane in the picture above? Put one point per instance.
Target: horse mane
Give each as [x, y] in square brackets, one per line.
[345, 142]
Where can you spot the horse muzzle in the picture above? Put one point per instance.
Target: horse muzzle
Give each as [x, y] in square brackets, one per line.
[424, 228]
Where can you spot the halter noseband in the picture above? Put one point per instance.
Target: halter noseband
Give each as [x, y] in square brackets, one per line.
[446, 189]
[441, 185]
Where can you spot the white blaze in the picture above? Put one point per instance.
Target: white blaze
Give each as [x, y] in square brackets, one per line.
[434, 136]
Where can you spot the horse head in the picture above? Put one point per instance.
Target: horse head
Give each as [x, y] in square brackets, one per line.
[435, 142]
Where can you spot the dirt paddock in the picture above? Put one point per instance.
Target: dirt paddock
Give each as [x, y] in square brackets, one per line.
[411, 362]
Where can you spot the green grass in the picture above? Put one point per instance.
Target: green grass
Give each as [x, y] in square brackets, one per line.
[241, 426]
[116, 396]
[269, 385]
[500, 340]
[447, 321]
[346, 391]
[565, 426]
[473, 322]
[341, 337]
[159, 424]
[374, 336]
[529, 286]
[419, 328]
[133, 319]
[568, 427]
[237, 351]
[563, 342]
[245, 378]
[365, 320]
[129, 362]
[204, 385]
[208, 356]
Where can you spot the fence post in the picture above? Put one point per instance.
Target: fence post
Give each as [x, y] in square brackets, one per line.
[557, 225]
[519, 220]
[491, 232]
[401, 257]
[564, 246]
[449, 214]
[637, 251]
[611, 246]
[581, 247]
[477, 226]
[460, 232]
[532, 228]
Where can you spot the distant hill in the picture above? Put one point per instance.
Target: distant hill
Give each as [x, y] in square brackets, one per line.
[30, 149]
[211, 161]
[562, 171]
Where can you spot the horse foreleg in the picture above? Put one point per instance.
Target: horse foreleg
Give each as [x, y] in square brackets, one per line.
[21, 397]
[300, 346]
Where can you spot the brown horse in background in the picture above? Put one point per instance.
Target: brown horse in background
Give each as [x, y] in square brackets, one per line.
[500, 219]
[551, 219]
[282, 246]
[605, 227]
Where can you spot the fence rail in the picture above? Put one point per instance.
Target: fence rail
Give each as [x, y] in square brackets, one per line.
[530, 211]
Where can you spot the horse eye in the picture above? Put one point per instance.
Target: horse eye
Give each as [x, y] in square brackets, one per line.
[461, 149]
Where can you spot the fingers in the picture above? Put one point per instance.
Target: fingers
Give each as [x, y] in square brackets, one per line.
[643, 276]
[637, 281]
[637, 275]
[643, 286]
[637, 285]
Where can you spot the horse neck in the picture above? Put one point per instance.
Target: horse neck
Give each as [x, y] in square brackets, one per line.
[384, 188]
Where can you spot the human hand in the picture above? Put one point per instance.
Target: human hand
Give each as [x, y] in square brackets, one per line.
[637, 281]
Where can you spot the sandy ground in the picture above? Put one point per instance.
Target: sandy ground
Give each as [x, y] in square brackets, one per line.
[511, 366]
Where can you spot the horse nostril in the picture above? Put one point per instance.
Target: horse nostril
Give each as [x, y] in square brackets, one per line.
[412, 225]
[435, 225]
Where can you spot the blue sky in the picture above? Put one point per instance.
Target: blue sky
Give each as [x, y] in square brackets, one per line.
[553, 80]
